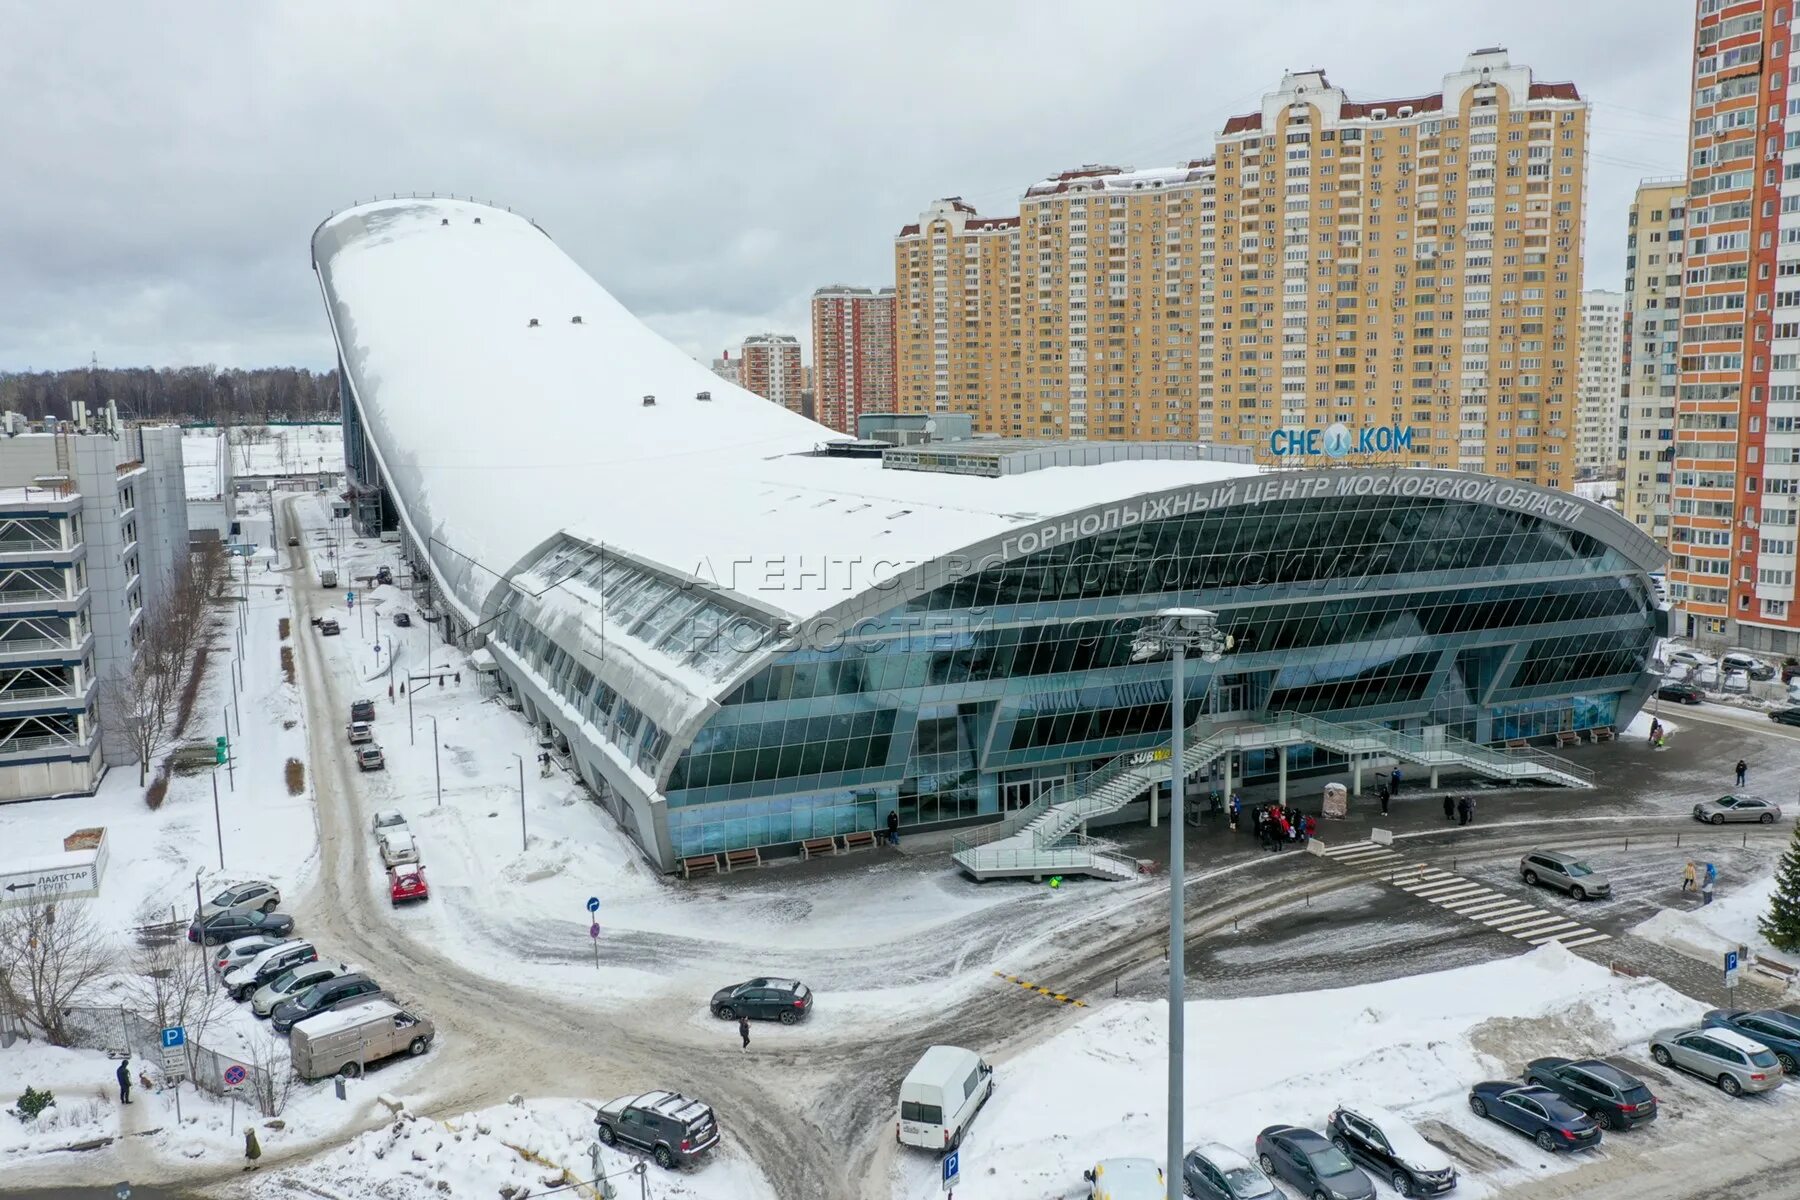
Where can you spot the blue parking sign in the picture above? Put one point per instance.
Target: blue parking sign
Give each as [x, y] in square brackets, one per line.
[952, 1168]
[173, 1037]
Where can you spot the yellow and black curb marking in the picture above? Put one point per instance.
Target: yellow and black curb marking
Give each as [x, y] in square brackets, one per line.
[1040, 990]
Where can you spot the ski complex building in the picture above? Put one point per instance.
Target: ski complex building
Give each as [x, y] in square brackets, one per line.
[746, 633]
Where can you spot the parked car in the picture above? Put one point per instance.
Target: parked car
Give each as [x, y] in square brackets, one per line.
[1612, 1099]
[1682, 692]
[1217, 1172]
[361, 732]
[397, 846]
[329, 627]
[237, 953]
[1565, 872]
[241, 982]
[255, 893]
[406, 883]
[1749, 664]
[290, 983]
[1706, 676]
[384, 574]
[784, 1000]
[370, 758]
[940, 1096]
[1728, 1058]
[362, 710]
[1691, 658]
[1779, 1031]
[321, 996]
[1786, 716]
[1312, 1164]
[675, 1130]
[1737, 682]
[1537, 1112]
[293, 539]
[236, 923]
[403, 620]
[1125, 1179]
[1737, 808]
[1391, 1149]
[345, 1040]
[387, 818]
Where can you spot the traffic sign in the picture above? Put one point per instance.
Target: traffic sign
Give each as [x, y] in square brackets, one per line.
[174, 1037]
[594, 930]
[123, 1191]
[593, 904]
[1731, 968]
[952, 1168]
[174, 1050]
[235, 1075]
[349, 599]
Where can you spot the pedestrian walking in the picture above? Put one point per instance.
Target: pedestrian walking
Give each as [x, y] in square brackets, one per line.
[893, 826]
[1395, 776]
[1234, 812]
[1384, 795]
[744, 1030]
[1655, 730]
[1689, 877]
[252, 1148]
[124, 1074]
[1743, 771]
[1281, 830]
[1449, 807]
[1462, 810]
[1706, 885]
[1311, 831]
[1470, 801]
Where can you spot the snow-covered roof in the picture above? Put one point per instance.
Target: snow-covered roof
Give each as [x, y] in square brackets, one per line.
[203, 465]
[498, 433]
[336, 1020]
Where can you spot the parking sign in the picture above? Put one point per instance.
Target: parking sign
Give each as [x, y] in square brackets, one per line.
[952, 1168]
[1731, 968]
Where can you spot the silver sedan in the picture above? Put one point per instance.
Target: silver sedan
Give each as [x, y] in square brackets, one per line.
[1737, 808]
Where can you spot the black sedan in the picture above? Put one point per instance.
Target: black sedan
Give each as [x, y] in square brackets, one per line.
[1682, 692]
[784, 1000]
[1779, 1031]
[320, 996]
[1612, 1099]
[1312, 1164]
[229, 926]
[1537, 1112]
[1786, 716]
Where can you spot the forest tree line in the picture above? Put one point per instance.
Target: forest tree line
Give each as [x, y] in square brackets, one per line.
[229, 396]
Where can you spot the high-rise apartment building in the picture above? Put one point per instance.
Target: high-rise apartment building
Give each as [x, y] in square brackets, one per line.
[1597, 425]
[769, 365]
[1410, 264]
[1736, 476]
[956, 319]
[1652, 351]
[853, 354]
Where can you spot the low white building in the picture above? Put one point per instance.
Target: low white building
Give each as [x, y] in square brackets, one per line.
[211, 505]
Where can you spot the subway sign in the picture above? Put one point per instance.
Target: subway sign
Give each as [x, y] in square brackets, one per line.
[1338, 440]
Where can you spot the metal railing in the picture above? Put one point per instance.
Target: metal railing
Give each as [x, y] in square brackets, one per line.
[23, 744]
[22, 645]
[116, 1029]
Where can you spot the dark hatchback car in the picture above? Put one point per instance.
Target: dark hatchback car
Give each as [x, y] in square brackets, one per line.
[229, 926]
[1391, 1149]
[1537, 1112]
[1612, 1099]
[1312, 1164]
[1779, 1031]
[784, 1000]
[319, 997]
[1682, 692]
[362, 710]
[675, 1130]
[1786, 716]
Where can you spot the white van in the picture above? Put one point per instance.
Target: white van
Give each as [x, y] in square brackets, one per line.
[940, 1096]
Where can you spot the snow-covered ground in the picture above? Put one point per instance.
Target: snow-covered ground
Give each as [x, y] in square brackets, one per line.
[1708, 931]
[1414, 1045]
[533, 1146]
[286, 449]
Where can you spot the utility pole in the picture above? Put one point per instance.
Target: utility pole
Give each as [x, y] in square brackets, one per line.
[436, 777]
[218, 830]
[523, 837]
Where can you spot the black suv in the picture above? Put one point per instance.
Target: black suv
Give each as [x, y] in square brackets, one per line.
[362, 710]
[319, 997]
[675, 1130]
[1682, 692]
[1611, 1098]
[784, 1000]
[1392, 1149]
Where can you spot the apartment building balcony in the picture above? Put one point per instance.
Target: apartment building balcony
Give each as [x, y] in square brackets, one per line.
[46, 735]
[17, 599]
[33, 646]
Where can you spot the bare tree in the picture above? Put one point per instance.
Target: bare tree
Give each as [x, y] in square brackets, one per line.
[272, 1082]
[141, 701]
[52, 954]
[207, 573]
[171, 985]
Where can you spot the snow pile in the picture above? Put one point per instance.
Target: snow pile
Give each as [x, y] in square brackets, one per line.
[84, 1108]
[530, 1148]
[1414, 1045]
[1710, 930]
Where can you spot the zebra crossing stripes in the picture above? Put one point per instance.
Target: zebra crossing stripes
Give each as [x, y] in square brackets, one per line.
[1466, 898]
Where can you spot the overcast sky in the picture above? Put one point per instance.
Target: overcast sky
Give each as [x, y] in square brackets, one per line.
[162, 166]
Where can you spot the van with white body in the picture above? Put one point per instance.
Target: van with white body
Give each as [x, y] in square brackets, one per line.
[342, 1041]
[940, 1096]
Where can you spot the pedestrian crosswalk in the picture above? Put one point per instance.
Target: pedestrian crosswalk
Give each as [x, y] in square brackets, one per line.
[1499, 911]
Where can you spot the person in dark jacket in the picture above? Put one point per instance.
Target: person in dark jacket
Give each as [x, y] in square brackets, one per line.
[1743, 772]
[1396, 777]
[893, 824]
[1384, 795]
[1449, 807]
[124, 1074]
[744, 1030]
[1462, 810]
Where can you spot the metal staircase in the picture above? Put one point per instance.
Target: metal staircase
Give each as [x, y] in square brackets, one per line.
[1044, 837]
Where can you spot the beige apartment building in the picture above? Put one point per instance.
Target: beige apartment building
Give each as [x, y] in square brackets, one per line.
[853, 354]
[1598, 440]
[1652, 356]
[769, 365]
[1407, 269]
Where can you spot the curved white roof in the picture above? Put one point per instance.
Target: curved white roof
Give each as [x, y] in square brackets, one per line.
[496, 435]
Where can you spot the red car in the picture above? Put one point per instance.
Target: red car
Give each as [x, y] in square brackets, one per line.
[407, 882]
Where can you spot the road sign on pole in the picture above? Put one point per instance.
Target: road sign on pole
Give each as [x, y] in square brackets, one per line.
[952, 1168]
[593, 904]
[235, 1075]
[594, 935]
[1731, 969]
[349, 599]
[174, 1050]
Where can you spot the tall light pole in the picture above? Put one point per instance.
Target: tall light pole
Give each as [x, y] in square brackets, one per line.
[522, 833]
[436, 777]
[1174, 631]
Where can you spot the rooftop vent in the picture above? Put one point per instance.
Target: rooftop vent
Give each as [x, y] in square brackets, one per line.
[649, 401]
[703, 395]
[575, 320]
[532, 324]
[478, 220]
[443, 220]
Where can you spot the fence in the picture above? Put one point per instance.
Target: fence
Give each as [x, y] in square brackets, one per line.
[116, 1029]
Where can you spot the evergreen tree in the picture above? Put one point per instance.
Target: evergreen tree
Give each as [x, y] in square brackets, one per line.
[1781, 924]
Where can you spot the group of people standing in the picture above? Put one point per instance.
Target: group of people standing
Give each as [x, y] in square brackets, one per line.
[1275, 825]
[1460, 809]
[1700, 878]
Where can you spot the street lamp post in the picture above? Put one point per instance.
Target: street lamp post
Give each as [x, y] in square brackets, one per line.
[436, 777]
[1175, 631]
[523, 837]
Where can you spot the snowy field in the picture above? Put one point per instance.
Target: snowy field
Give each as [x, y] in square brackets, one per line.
[1707, 932]
[1413, 1045]
[286, 449]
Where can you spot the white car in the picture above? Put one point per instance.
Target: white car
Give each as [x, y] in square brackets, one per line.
[388, 818]
[291, 982]
[1692, 658]
[253, 893]
[397, 846]
[232, 955]
[1707, 676]
[1736, 681]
